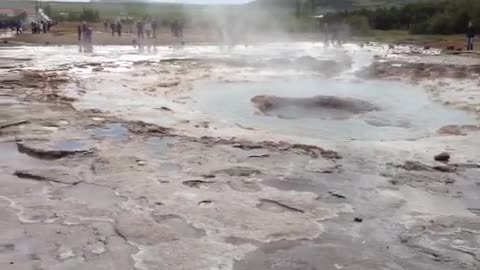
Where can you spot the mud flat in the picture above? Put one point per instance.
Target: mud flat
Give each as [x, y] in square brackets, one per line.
[128, 160]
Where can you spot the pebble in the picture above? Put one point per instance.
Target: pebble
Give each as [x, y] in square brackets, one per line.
[358, 219]
[337, 195]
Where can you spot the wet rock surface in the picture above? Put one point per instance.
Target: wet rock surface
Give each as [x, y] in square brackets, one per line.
[48, 175]
[455, 130]
[456, 241]
[94, 179]
[55, 151]
[420, 70]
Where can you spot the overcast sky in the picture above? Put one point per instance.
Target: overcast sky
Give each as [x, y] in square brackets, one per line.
[206, 1]
[179, 1]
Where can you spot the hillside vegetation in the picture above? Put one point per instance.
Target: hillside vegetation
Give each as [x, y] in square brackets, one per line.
[446, 17]
[414, 16]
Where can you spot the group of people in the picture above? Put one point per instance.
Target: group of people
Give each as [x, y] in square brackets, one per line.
[144, 29]
[18, 26]
[147, 28]
[333, 32]
[41, 27]
[37, 27]
[115, 27]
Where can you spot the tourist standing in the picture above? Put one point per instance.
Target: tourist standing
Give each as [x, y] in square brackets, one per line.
[140, 30]
[19, 27]
[148, 29]
[180, 29]
[326, 34]
[335, 34]
[88, 39]
[154, 29]
[470, 36]
[113, 28]
[44, 26]
[174, 28]
[84, 31]
[105, 26]
[79, 32]
[119, 27]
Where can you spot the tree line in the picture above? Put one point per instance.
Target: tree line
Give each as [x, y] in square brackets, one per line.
[446, 17]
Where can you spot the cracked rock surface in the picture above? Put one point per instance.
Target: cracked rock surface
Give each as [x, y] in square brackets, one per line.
[95, 177]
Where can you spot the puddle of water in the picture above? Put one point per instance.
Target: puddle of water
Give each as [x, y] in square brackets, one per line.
[415, 116]
[116, 132]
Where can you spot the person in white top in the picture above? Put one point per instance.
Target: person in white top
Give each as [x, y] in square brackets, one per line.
[148, 29]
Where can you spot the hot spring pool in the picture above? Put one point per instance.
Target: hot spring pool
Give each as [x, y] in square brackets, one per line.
[399, 111]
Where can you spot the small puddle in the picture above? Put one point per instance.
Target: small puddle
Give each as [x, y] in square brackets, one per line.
[115, 132]
[327, 109]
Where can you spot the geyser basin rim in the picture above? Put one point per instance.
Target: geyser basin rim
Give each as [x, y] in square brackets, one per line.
[416, 116]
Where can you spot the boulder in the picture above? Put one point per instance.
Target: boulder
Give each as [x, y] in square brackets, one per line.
[443, 157]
